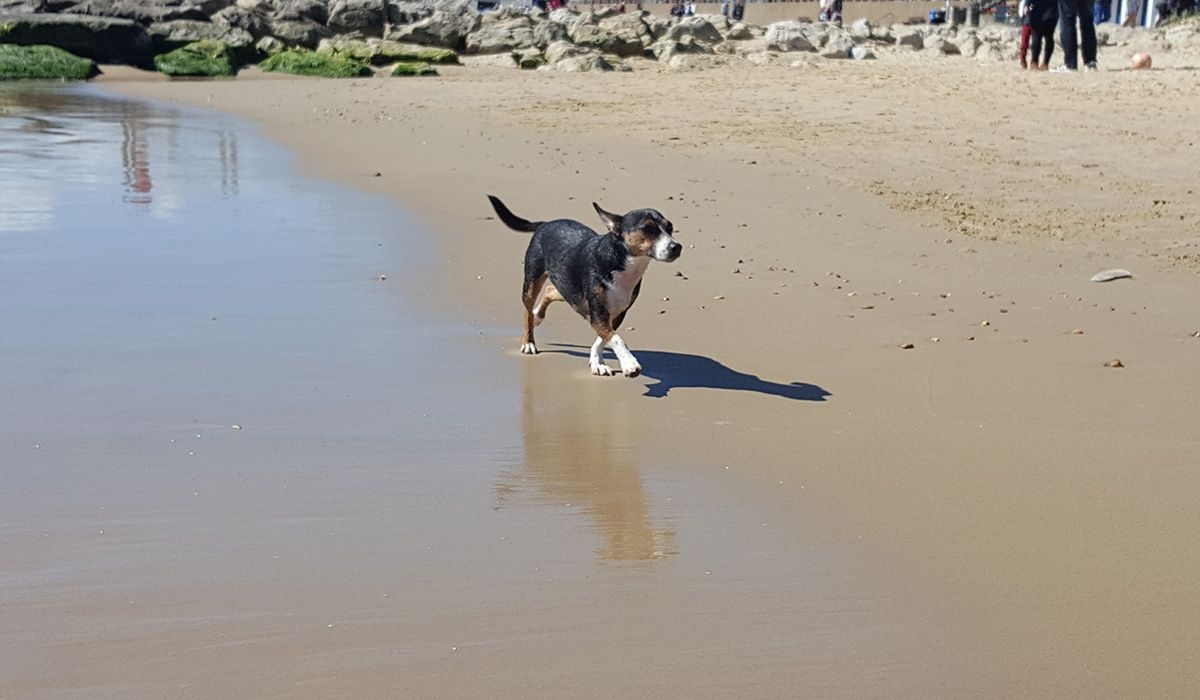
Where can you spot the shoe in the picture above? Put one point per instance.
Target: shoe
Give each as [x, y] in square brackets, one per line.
[1064, 68]
[1091, 67]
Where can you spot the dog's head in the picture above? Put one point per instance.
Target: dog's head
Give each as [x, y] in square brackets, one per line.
[644, 231]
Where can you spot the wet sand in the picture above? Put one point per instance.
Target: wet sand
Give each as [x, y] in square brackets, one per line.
[787, 502]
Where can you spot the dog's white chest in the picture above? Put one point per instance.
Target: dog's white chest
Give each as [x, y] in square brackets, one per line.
[620, 290]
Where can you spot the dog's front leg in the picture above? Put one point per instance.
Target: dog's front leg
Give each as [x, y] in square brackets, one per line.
[596, 359]
[605, 336]
[630, 367]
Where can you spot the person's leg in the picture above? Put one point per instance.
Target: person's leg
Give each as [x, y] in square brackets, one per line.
[1036, 34]
[1026, 30]
[1067, 11]
[1048, 33]
[1087, 36]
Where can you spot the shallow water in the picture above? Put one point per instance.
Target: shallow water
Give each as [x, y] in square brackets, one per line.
[238, 459]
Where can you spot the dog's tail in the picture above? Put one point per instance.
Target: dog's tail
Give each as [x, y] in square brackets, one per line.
[510, 219]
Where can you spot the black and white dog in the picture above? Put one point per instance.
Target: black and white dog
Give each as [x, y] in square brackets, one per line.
[599, 275]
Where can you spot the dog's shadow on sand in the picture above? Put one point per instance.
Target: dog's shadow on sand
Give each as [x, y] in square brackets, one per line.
[676, 370]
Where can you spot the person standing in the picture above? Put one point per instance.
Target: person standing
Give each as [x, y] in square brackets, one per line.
[1043, 15]
[1070, 13]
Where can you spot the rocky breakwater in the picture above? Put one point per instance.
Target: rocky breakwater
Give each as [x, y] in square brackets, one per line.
[379, 33]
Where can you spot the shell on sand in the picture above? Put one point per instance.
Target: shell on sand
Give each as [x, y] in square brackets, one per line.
[1110, 275]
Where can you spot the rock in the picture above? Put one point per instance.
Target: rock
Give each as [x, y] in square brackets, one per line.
[967, 44]
[862, 53]
[302, 62]
[301, 11]
[439, 29]
[303, 33]
[254, 23]
[492, 60]
[590, 61]
[269, 46]
[529, 59]
[695, 61]
[740, 32]
[177, 34]
[204, 58]
[788, 36]
[365, 17]
[1115, 363]
[905, 346]
[102, 39]
[695, 31]
[43, 63]
[762, 58]
[939, 44]
[382, 52]
[837, 47]
[559, 50]
[861, 30]
[882, 33]
[907, 36]
[500, 32]
[989, 53]
[1110, 275]
[139, 11]
[410, 69]
[620, 35]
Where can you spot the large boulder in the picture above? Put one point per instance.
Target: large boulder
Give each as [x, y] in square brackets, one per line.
[303, 33]
[198, 59]
[501, 31]
[789, 36]
[253, 22]
[939, 44]
[22, 6]
[137, 10]
[382, 52]
[695, 30]
[621, 35]
[365, 17]
[581, 63]
[102, 39]
[169, 36]
[301, 11]
[910, 37]
[439, 29]
[43, 63]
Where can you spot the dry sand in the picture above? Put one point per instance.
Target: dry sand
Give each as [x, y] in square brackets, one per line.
[1032, 509]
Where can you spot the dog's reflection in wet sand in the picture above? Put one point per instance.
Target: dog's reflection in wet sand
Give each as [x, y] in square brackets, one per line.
[578, 452]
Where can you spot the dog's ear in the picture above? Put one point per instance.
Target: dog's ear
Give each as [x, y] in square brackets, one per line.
[612, 221]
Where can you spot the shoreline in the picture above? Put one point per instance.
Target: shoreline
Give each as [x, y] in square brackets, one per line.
[1012, 479]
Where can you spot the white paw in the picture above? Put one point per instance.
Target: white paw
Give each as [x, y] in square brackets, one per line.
[632, 369]
[602, 370]
[528, 349]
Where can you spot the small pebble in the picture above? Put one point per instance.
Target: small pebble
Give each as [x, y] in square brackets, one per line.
[985, 323]
[383, 278]
[719, 297]
[1114, 363]
[1077, 331]
[906, 346]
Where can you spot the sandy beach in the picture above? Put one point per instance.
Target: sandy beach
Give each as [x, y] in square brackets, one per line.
[881, 340]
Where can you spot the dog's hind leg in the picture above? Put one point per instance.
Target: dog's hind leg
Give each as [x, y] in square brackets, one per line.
[529, 295]
[549, 296]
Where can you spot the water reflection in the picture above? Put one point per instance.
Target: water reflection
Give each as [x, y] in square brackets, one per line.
[578, 453]
[44, 128]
